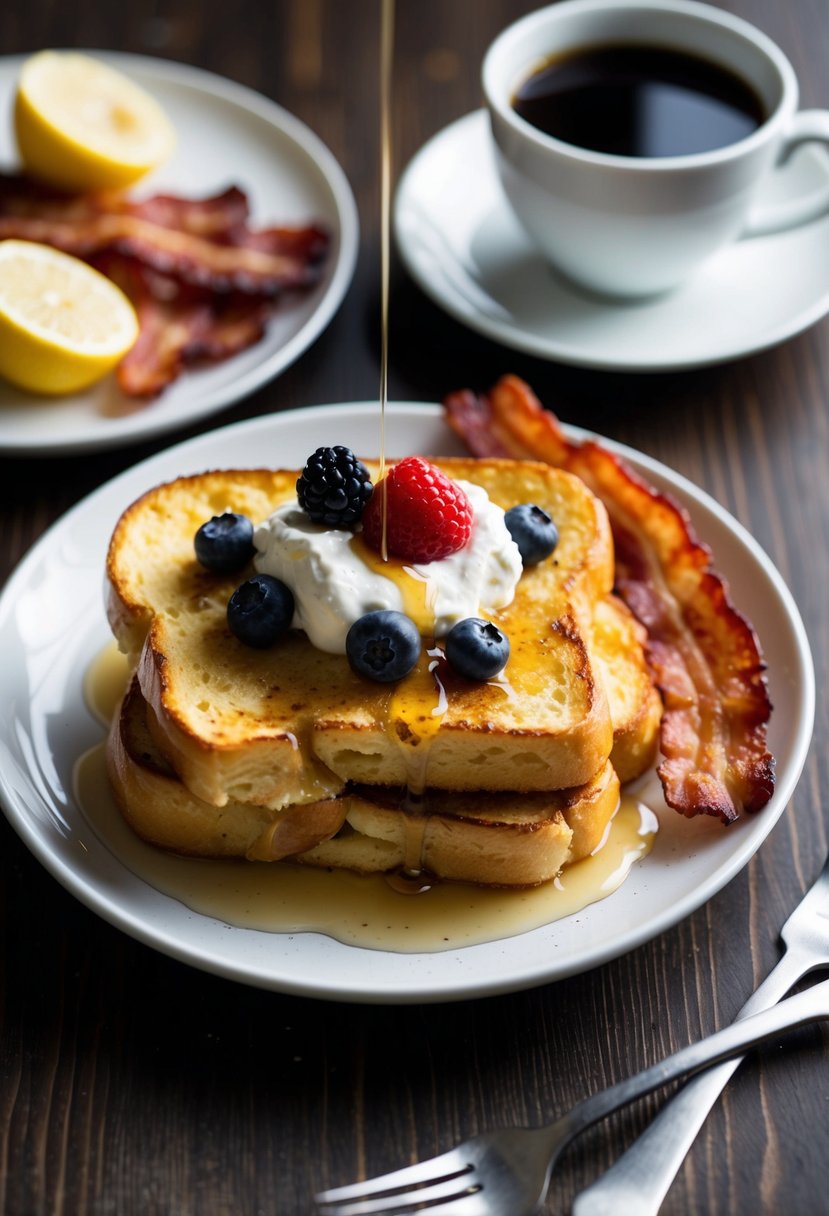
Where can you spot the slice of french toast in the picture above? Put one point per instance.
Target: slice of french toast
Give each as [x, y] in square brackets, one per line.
[617, 644]
[151, 566]
[501, 839]
[294, 724]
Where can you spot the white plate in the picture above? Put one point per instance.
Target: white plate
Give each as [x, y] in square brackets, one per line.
[227, 135]
[52, 625]
[464, 247]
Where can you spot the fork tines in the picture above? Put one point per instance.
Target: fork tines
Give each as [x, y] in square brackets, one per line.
[421, 1187]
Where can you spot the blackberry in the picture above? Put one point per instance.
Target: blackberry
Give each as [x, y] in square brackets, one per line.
[334, 487]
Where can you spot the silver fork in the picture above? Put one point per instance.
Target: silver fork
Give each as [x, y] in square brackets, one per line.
[507, 1172]
[637, 1184]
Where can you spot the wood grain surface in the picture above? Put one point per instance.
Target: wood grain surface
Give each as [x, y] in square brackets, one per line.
[130, 1083]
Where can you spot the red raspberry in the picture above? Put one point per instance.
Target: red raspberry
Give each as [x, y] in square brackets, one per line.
[428, 516]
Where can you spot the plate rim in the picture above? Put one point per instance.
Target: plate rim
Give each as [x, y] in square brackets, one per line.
[513, 337]
[416, 990]
[315, 153]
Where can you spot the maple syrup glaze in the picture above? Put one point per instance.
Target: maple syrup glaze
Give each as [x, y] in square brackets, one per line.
[105, 682]
[386, 63]
[415, 591]
[414, 715]
[366, 911]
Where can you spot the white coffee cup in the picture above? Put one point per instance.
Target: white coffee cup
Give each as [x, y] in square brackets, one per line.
[630, 226]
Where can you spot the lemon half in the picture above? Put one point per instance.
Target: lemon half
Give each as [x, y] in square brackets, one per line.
[62, 324]
[82, 125]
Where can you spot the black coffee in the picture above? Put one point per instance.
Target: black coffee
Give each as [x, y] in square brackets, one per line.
[639, 101]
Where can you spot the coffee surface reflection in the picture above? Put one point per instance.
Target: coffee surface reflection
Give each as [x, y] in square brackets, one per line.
[639, 101]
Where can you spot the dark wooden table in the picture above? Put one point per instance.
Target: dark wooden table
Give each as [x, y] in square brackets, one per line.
[130, 1083]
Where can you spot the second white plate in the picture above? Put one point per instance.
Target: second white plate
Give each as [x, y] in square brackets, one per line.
[227, 135]
[52, 627]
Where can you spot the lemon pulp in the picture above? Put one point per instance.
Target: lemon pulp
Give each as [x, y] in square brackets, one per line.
[82, 125]
[62, 324]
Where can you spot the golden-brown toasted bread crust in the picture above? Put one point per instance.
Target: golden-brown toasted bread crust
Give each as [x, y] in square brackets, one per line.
[618, 642]
[503, 839]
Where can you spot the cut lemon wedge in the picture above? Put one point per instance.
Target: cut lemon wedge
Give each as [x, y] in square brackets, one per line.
[82, 125]
[62, 324]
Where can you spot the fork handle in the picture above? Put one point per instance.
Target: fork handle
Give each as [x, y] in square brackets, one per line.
[638, 1182]
[809, 1006]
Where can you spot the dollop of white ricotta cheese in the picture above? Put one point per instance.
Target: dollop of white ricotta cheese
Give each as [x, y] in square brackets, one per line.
[333, 586]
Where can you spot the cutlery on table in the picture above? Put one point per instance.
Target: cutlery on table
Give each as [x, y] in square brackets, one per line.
[638, 1182]
[507, 1172]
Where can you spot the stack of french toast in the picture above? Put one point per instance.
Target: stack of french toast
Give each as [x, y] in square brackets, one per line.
[287, 753]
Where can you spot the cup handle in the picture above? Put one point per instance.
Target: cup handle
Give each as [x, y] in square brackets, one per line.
[808, 126]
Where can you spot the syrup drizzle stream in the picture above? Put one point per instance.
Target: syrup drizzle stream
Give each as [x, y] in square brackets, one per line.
[412, 700]
[386, 58]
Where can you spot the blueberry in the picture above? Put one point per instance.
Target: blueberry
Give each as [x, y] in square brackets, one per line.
[476, 649]
[225, 543]
[383, 645]
[260, 610]
[533, 531]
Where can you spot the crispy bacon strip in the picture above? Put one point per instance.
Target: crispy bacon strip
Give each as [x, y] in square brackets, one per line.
[178, 326]
[203, 281]
[171, 338]
[204, 263]
[704, 656]
[220, 217]
[211, 217]
[309, 243]
[202, 242]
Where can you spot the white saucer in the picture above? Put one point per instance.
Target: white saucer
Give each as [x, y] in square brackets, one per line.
[462, 244]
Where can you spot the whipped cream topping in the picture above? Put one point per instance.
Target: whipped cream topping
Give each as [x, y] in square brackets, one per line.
[334, 584]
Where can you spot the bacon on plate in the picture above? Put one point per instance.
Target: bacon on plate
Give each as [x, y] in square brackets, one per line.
[203, 280]
[178, 326]
[703, 654]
